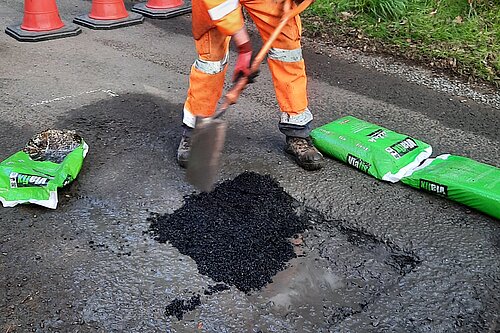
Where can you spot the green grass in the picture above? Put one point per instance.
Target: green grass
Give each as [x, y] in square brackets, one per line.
[453, 32]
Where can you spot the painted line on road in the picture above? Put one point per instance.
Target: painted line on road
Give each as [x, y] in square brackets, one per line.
[62, 98]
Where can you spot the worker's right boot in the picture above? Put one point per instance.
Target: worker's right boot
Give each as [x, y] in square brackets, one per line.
[183, 151]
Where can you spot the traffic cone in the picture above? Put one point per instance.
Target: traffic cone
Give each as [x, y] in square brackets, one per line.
[108, 14]
[162, 9]
[41, 22]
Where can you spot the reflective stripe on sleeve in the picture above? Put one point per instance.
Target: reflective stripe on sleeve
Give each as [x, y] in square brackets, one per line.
[285, 55]
[211, 67]
[218, 12]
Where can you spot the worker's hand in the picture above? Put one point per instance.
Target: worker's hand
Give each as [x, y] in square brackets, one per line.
[242, 67]
[242, 42]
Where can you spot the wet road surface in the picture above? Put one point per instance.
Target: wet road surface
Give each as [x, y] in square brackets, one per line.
[376, 257]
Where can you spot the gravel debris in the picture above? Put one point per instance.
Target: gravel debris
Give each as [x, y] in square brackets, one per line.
[178, 307]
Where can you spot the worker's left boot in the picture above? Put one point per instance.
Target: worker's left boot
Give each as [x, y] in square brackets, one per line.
[183, 151]
[304, 153]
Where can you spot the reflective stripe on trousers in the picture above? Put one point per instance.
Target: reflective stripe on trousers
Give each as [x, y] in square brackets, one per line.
[207, 75]
[207, 79]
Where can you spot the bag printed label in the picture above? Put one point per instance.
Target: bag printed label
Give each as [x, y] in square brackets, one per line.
[375, 150]
[378, 134]
[21, 180]
[432, 187]
[461, 179]
[358, 163]
[402, 148]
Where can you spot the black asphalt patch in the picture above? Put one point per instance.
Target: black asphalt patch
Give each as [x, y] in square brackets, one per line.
[239, 233]
[251, 234]
[178, 307]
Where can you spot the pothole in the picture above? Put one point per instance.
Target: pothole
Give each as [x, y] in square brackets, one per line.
[238, 234]
[288, 259]
[338, 274]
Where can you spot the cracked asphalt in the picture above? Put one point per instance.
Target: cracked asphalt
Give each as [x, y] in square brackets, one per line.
[380, 257]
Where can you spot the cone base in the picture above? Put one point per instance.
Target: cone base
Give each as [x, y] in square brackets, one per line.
[69, 30]
[162, 13]
[86, 21]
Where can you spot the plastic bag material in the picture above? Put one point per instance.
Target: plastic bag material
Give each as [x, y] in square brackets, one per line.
[375, 150]
[23, 180]
[461, 179]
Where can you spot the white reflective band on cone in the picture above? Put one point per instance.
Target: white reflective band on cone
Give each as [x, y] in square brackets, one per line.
[285, 55]
[211, 67]
[189, 119]
[300, 119]
[223, 9]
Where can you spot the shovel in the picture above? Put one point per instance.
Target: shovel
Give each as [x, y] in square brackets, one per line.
[209, 134]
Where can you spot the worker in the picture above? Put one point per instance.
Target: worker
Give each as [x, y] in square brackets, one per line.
[215, 23]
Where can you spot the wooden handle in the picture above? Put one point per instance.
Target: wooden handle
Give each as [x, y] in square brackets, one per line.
[232, 95]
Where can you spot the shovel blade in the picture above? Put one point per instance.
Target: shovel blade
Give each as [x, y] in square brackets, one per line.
[207, 143]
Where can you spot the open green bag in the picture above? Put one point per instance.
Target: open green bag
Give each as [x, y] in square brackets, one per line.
[23, 180]
[375, 150]
[461, 179]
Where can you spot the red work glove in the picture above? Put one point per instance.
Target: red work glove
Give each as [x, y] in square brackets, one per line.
[242, 67]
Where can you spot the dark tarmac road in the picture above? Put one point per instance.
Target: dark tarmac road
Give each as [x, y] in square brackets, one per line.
[378, 257]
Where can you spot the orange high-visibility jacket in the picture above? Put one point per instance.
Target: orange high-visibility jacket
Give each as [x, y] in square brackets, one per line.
[214, 21]
[225, 15]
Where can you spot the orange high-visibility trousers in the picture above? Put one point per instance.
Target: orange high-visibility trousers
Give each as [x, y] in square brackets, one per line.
[284, 58]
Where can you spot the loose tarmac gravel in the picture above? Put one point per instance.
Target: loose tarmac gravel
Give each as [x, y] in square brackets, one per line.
[178, 307]
[251, 234]
[239, 233]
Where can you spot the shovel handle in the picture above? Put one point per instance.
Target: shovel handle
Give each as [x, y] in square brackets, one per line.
[232, 95]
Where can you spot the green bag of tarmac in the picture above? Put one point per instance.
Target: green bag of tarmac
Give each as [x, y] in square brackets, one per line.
[375, 150]
[461, 179]
[52, 159]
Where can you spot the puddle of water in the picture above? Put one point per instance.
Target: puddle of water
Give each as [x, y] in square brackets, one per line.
[334, 276]
[302, 289]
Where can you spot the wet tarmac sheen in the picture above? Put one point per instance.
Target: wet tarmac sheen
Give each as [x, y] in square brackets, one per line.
[249, 233]
[371, 256]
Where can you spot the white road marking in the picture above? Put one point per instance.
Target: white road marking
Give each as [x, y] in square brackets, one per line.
[62, 98]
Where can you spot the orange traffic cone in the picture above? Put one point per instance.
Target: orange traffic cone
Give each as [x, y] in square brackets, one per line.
[41, 22]
[162, 9]
[108, 14]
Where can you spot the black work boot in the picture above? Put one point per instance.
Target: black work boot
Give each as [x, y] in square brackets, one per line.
[305, 154]
[183, 151]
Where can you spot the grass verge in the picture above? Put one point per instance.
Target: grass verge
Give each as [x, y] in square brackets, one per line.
[462, 36]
